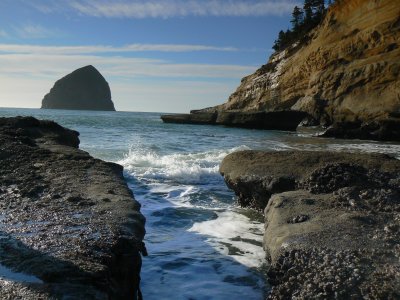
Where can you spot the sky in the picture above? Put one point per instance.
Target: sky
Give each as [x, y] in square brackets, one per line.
[157, 55]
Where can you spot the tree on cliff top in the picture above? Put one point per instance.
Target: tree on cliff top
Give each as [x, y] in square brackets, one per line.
[303, 21]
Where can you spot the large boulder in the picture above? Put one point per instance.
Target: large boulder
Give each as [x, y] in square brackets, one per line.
[83, 89]
[331, 220]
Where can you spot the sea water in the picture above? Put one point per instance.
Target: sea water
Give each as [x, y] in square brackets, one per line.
[201, 244]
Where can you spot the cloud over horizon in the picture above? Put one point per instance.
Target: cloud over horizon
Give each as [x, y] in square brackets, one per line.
[173, 8]
[26, 48]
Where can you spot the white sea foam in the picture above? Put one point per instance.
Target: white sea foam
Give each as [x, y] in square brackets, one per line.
[183, 168]
[234, 234]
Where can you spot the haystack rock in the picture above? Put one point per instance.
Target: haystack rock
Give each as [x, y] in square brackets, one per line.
[83, 89]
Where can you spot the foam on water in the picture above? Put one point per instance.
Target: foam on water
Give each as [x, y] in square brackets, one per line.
[201, 246]
[236, 235]
[196, 239]
[179, 167]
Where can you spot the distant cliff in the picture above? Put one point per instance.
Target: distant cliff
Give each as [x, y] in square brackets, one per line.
[83, 89]
[346, 70]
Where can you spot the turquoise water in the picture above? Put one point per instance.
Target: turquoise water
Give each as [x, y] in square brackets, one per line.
[200, 244]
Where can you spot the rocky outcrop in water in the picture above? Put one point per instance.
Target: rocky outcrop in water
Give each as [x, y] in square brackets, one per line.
[331, 220]
[346, 70]
[277, 120]
[83, 89]
[70, 227]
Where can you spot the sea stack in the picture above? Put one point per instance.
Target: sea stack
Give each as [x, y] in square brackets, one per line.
[83, 89]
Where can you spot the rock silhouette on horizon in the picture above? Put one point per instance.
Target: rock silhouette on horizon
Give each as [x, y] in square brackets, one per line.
[83, 89]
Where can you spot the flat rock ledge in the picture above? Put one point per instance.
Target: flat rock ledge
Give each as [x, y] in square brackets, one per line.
[274, 120]
[69, 225]
[331, 221]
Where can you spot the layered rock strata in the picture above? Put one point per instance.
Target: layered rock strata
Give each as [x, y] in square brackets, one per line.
[70, 227]
[83, 89]
[331, 220]
[345, 70]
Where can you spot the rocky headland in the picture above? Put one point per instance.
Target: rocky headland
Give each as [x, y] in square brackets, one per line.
[345, 73]
[83, 89]
[70, 227]
[331, 221]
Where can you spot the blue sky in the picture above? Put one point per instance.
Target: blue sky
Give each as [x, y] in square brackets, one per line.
[157, 55]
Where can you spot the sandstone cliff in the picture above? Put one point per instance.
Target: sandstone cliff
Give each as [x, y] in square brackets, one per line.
[83, 89]
[347, 70]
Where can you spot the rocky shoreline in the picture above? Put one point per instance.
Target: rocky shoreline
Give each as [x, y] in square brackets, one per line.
[70, 227]
[274, 120]
[331, 220]
[344, 74]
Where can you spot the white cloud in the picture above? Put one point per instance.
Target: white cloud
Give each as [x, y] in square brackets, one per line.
[41, 64]
[34, 31]
[14, 48]
[141, 84]
[168, 96]
[181, 8]
[3, 33]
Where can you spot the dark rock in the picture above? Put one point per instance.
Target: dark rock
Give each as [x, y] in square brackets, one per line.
[256, 175]
[276, 120]
[58, 237]
[195, 118]
[334, 232]
[381, 130]
[83, 89]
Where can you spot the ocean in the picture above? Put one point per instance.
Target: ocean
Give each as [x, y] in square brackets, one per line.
[201, 244]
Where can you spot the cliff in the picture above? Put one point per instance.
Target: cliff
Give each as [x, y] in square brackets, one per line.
[348, 69]
[83, 89]
[69, 225]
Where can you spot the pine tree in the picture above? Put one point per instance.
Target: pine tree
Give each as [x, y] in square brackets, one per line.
[308, 10]
[297, 18]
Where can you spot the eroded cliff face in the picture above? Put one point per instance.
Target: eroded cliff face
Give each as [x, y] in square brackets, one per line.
[349, 69]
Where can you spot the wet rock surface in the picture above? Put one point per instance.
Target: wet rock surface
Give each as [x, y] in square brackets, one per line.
[333, 232]
[69, 226]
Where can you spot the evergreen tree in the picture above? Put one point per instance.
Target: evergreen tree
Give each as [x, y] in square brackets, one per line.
[303, 21]
[308, 10]
[297, 18]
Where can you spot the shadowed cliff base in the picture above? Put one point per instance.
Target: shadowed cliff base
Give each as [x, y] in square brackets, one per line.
[277, 120]
[331, 220]
[70, 227]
